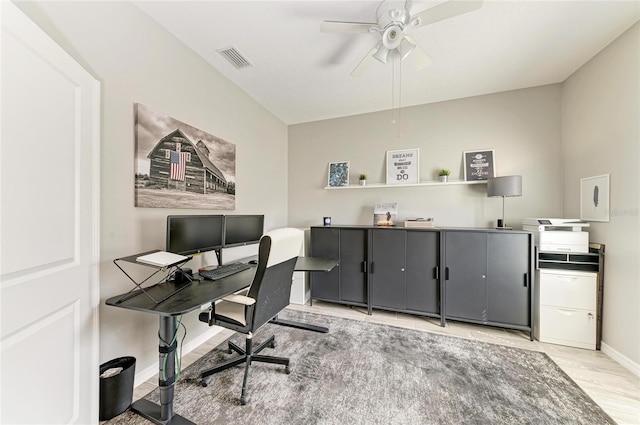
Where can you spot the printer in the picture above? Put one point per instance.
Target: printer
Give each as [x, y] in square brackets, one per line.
[558, 234]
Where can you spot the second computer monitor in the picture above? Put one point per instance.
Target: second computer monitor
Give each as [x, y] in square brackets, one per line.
[242, 229]
[191, 234]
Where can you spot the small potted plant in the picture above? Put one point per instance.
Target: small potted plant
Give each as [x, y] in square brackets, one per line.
[444, 175]
[363, 179]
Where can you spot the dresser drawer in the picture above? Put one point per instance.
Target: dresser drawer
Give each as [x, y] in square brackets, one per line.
[571, 290]
[567, 326]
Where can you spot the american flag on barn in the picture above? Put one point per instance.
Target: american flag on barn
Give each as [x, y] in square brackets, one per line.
[177, 163]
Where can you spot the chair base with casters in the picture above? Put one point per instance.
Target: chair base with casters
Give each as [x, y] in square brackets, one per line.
[249, 310]
[247, 356]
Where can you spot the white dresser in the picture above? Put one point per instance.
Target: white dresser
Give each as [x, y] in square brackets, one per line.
[568, 298]
[567, 311]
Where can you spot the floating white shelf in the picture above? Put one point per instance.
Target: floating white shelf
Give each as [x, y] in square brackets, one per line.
[426, 183]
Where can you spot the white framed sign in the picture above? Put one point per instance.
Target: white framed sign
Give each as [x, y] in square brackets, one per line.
[594, 198]
[403, 166]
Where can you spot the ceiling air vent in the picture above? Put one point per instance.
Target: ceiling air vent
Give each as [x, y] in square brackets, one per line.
[235, 57]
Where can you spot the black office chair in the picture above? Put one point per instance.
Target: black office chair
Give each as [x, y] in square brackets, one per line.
[268, 294]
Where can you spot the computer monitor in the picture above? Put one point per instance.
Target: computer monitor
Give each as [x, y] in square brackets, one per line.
[191, 234]
[242, 229]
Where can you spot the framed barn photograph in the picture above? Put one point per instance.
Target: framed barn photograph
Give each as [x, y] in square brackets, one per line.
[180, 166]
[338, 174]
[594, 198]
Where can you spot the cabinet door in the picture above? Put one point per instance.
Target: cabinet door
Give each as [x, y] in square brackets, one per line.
[353, 276]
[508, 283]
[325, 242]
[388, 288]
[423, 290]
[466, 288]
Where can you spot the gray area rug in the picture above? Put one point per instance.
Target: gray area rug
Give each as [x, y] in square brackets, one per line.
[363, 373]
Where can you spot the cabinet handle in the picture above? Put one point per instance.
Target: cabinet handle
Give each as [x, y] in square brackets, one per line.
[364, 266]
[402, 269]
[436, 272]
[371, 267]
[526, 279]
[446, 273]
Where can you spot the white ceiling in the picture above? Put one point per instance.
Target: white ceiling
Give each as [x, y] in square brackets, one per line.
[301, 74]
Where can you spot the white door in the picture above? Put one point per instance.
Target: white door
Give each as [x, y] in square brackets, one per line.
[49, 179]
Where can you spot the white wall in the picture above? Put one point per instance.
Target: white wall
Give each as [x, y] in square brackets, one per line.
[522, 126]
[137, 61]
[601, 135]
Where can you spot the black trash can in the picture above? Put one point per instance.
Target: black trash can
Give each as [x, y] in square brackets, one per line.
[116, 391]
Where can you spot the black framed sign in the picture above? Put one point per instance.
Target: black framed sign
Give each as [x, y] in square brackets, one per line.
[479, 165]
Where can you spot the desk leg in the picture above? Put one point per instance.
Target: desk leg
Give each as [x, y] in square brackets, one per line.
[299, 325]
[163, 414]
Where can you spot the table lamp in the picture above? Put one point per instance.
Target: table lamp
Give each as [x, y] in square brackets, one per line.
[504, 186]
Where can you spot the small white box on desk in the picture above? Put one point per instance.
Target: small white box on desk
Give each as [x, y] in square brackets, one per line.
[300, 291]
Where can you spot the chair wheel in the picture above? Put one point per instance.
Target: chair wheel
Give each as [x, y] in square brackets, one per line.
[229, 351]
[244, 399]
[203, 383]
[273, 344]
[287, 370]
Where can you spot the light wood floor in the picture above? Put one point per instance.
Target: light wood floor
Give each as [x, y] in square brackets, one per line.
[610, 385]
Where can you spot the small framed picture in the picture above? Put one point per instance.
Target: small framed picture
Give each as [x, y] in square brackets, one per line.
[338, 174]
[594, 198]
[479, 165]
[403, 166]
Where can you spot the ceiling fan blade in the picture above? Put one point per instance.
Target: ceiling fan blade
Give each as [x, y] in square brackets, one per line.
[444, 11]
[365, 62]
[418, 57]
[341, 27]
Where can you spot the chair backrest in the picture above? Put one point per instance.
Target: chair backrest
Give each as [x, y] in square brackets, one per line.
[271, 286]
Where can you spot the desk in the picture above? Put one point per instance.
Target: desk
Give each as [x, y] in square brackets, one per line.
[184, 300]
[309, 264]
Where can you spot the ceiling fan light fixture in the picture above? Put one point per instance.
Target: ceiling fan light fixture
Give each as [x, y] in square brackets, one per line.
[392, 36]
[405, 47]
[382, 54]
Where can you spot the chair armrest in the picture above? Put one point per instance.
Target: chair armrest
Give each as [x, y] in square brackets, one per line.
[239, 299]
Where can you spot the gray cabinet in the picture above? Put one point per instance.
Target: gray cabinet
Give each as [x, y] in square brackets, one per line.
[388, 286]
[508, 286]
[466, 275]
[488, 278]
[346, 283]
[403, 275]
[475, 275]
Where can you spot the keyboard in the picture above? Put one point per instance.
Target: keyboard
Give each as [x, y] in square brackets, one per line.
[224, 271]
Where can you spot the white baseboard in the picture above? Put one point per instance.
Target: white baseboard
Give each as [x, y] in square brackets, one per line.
[621, 359]
[144, 375]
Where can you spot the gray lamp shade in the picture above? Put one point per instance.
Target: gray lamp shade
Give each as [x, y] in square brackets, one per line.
[505, 186]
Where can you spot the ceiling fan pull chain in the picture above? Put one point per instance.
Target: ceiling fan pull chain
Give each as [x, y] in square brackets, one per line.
[394, 109]
[399, 95]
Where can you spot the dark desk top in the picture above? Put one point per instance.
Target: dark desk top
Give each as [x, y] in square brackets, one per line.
[189, 298]
[315, 264]
[201, 292]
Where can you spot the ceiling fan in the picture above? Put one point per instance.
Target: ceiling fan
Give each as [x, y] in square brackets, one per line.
[394, 22]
